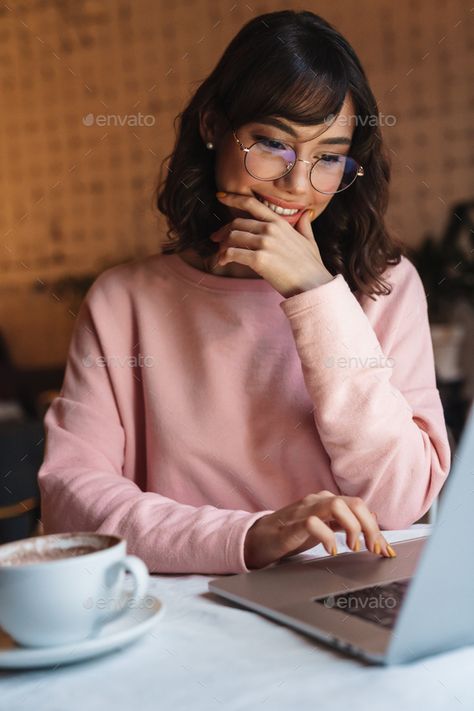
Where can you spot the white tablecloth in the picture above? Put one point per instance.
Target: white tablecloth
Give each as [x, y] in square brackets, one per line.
[206, 653]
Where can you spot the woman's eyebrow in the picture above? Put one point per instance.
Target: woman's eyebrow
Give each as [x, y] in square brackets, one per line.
[341, 140]
[279, 124]
[335, 140]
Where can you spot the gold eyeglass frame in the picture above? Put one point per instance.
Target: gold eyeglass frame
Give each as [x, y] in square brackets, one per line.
[245, 149]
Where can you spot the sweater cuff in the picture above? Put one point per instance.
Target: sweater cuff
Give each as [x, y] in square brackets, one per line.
[236, 541]
[337, 288]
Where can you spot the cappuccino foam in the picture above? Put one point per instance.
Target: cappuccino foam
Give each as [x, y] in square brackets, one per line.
[31, 556]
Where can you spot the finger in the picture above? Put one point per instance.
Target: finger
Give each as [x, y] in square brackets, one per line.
[247, 225]
[336, 509]
[323, 533]
[298, 536]
[294, 538]
[250, 204]
[221, 233]
[238, 238]
[375, 541]
[238, 223]
[241, 256]
[303, 226]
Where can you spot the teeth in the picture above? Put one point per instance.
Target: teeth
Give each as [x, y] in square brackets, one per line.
[279, 210]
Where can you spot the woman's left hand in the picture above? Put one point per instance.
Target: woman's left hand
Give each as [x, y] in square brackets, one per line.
[286, 256]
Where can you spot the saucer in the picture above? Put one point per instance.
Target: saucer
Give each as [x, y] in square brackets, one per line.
[114, 634]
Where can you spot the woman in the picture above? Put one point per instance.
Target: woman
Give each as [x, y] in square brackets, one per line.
[267, 379]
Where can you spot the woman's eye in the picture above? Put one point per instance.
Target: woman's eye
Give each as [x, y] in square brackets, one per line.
[270, 142]
[327, 158]
[331, 158]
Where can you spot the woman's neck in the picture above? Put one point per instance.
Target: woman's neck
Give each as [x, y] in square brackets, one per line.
[238, 271]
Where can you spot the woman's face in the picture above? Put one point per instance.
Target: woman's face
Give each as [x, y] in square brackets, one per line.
[295, 187]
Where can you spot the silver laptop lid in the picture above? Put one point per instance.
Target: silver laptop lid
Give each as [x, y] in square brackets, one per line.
[438, 610]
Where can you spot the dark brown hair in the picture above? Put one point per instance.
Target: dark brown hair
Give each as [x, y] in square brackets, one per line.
[294, 65]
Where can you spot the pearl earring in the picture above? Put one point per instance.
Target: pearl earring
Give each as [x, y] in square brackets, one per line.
[209, 145]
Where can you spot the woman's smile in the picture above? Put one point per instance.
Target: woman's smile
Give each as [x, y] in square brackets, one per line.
[279, 202]
[290, 215]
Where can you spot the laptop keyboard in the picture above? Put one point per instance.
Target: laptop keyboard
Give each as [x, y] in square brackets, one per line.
[379, 603]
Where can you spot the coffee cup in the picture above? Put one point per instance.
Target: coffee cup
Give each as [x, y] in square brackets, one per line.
[61, 588]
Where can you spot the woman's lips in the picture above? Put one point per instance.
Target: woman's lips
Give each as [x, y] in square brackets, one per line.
[289, 218]
[292, 218]
[281, 203]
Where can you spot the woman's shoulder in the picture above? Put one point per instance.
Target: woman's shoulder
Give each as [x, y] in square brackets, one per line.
[404, 272]
[405, 283]
[403, 280]
[127, 278]
[407, 293]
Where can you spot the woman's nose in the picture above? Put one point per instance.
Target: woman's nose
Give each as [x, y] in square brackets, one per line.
[297, 180]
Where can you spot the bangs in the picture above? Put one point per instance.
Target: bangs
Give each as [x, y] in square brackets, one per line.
[305, 85]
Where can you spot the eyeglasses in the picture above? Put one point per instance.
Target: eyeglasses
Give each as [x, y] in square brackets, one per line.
[268, 159]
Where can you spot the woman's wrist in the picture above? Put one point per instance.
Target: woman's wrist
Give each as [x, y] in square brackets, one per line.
[249, 548]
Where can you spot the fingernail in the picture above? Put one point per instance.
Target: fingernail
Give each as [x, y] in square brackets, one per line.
[377, 549]
[357, 546]
[391, 551]
[334, 550]
[220, 194]
[311, 214]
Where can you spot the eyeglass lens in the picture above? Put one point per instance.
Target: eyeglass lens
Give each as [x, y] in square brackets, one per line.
[270, 160]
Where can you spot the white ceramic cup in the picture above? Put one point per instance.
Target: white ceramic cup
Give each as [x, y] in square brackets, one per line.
[47, 599]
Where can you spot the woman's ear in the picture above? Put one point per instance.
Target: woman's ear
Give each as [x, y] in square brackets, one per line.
[210, 126]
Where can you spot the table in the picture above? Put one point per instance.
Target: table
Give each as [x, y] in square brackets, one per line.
[207, 653]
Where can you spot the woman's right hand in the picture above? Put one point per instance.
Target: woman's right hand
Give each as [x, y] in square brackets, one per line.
[310, 521]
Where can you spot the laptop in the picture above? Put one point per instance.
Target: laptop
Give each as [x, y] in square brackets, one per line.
[384, 610]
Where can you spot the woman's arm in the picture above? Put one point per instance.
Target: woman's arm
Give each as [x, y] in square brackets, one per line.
[82, 482]
[376, 405]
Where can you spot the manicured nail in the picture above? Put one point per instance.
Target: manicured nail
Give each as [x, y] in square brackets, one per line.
[311, 214]
[391, 551]
[377, 549]
[220, 194]
[357, 546]
[334, 550]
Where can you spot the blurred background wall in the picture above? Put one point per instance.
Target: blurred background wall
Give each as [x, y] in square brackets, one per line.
[89, 91]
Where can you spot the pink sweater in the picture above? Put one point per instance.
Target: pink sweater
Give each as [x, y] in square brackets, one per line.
[193, 404]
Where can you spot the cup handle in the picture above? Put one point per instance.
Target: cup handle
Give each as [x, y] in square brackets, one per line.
[139, 572]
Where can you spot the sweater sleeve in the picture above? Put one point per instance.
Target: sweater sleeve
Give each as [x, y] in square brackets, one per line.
[377, 409]
[84, 488]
